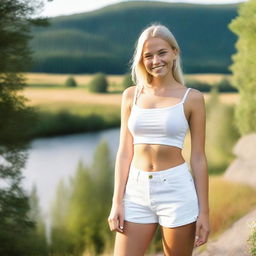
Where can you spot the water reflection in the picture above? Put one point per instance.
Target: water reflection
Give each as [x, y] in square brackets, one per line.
[51, 159]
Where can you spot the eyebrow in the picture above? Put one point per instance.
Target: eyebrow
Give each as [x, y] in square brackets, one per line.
[158, 51]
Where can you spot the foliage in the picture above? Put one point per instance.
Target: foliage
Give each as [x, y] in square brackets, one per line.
[70, 82]
[38, 235]
[201, 86]
[76, 119]
[244, 66]
[79, 216]
[225, 86]
[127, 81]
[16, 120]
[221, 133]
[252, 239]
[79, 44]
[99, 83]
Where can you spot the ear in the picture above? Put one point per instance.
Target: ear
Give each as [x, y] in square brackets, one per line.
[175, 51]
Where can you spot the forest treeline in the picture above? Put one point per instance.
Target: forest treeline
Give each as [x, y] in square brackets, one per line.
[103, 40]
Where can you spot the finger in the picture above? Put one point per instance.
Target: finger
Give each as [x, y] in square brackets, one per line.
[113, 224]
[121, 223]
[203, 238]
[197, 234]
[205, 234]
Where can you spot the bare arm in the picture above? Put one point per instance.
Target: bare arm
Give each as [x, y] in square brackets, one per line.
[198, 159]
[198, 163]
[125, 150]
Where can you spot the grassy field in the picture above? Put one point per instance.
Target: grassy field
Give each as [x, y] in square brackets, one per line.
[47, 89]
[62, 96]
[78, 95]
[44, 78]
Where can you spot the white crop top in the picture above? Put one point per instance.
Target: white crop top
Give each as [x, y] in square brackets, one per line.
[166, 125]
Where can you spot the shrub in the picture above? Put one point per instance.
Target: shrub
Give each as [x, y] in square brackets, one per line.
[99, 83]
[70, 82]
[221, 132]
[201, 86]
[252, 239]
[224, 85]
[127, 81]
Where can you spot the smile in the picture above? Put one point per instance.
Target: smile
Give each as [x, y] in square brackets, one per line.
[158, 67]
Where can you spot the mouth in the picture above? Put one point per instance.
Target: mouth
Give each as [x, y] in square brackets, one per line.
[158, 67]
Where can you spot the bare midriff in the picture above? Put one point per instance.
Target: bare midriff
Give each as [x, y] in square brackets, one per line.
[155, 157]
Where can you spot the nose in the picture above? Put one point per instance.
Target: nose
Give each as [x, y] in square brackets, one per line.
[155, 59]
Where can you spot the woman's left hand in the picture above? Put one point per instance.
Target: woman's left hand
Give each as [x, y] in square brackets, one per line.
[202, 229]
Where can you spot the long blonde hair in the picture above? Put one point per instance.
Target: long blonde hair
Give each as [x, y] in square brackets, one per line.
[139, 74]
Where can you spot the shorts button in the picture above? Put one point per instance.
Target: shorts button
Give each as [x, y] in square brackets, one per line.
[150, 176]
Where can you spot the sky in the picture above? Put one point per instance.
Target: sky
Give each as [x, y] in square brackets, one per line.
[65, 7]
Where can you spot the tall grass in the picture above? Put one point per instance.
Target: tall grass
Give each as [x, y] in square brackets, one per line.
[252, 240]
[224, 210]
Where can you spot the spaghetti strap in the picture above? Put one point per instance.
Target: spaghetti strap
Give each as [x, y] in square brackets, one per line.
[136, 94]
[185, 95]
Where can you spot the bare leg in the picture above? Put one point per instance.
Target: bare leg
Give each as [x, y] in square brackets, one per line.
[179, 241]
[135, 239]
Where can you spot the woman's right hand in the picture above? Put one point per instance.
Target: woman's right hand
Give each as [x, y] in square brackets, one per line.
[116, 218]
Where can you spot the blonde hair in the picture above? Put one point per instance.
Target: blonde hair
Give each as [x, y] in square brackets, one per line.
[139, 74]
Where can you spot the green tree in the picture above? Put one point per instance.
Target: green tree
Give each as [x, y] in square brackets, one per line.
[70, 82]
[61, 241]
[127, 81]
[38, 235]
[16, 120]
[99, 83]
[102, 172]
[244, 66]
[221, 132]
[79, 216]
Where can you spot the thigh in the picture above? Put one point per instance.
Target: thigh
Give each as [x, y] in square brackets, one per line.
[179, 241]
[135, 239]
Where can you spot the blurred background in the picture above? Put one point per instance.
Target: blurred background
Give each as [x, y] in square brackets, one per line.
[63, 68]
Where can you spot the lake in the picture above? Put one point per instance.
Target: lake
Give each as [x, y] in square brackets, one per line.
[51, 159]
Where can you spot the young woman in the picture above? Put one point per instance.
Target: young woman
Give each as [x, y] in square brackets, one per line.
[153, 182]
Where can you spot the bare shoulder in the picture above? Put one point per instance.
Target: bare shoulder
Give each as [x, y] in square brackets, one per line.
[128, 94]
[129, 91]
[196, 97]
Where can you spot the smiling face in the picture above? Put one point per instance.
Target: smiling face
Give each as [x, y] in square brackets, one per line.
[157, 57]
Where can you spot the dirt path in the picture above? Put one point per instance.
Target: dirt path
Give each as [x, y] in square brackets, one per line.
[233, 242]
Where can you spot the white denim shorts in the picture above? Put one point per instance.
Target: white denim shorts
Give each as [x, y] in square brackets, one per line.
[167, 197]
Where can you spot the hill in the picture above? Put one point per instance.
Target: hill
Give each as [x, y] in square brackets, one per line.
[103, 40]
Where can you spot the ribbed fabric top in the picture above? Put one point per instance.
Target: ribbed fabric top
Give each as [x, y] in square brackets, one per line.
[166, 126]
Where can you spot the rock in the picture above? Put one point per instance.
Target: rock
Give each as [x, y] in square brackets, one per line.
[243, 168]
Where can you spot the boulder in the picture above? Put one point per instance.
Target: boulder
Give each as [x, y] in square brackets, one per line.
[243, 168]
